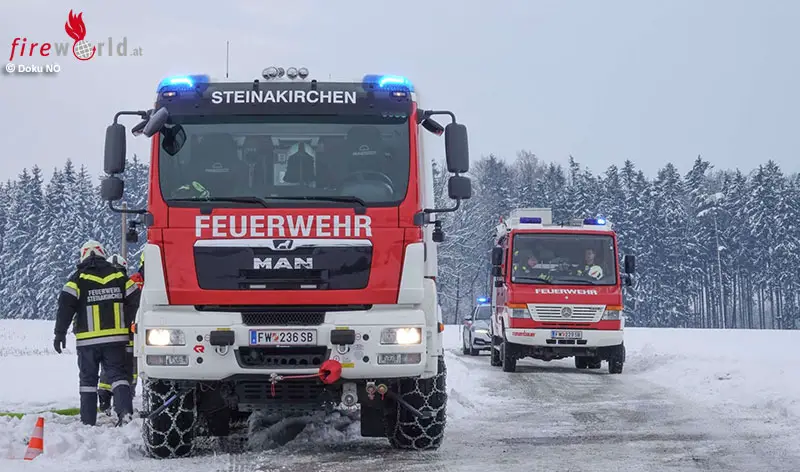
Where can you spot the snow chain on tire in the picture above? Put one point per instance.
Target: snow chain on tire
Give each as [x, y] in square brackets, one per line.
[407, 431]
[171, 433]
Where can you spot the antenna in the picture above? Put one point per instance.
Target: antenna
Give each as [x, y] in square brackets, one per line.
[227, 57]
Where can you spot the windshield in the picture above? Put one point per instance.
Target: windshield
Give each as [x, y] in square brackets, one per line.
[484, 312]
[580, 259]
[322, 160]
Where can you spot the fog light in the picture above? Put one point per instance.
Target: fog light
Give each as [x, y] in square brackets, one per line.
[165, 337]
[401, 336]
[400, 358]
[167, 360]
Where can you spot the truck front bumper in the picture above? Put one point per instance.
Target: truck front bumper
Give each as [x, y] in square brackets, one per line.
[564, 338]
[366, 358]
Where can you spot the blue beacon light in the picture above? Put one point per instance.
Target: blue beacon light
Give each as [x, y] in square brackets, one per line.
[482, 300]
[530, 220]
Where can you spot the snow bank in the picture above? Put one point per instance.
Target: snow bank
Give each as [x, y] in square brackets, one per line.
[753, 369]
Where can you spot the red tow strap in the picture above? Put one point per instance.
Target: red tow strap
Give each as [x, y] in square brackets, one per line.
[329, 372]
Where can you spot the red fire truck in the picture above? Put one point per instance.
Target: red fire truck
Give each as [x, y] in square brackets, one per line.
[290, 255]
[557, 291]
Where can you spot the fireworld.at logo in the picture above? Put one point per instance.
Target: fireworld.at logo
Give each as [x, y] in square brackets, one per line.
[80, 48]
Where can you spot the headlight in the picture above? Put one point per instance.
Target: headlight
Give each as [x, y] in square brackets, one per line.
[520, 313]
[165, 337]
[611, 314]
[401, 336]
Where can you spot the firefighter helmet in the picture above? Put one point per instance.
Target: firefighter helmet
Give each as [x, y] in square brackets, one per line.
[92, 248]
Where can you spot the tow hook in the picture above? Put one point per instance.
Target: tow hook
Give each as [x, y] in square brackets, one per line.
[349, 394]
[407, 406]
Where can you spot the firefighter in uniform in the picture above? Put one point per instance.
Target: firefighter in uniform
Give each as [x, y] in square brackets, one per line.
[104, 387]
[100, 302]
[193, 190]
[589, 269]
[524, 263]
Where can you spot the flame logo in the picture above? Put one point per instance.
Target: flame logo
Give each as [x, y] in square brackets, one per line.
[76, 30]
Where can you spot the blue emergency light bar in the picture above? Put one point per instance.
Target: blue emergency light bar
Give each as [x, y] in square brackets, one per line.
[595, 221]
[182, 82]
[388, 82]
[530, 220]
[483, 300]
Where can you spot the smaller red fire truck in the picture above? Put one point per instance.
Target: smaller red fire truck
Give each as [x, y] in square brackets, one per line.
[557, 291]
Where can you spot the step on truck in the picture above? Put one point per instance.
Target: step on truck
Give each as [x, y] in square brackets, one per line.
[290, 261]
[557, 291]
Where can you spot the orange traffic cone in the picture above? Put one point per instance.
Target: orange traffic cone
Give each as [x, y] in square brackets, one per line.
[36, 444]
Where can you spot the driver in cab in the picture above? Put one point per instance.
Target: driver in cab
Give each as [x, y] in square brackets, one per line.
[589, 268]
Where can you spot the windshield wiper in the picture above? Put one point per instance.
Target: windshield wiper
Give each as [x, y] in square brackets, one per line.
[249, 199]
[532, 279]
[576, 279]
[325, 198]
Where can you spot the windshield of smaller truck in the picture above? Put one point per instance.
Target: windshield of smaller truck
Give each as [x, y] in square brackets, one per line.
[321, 160]
[565, 259]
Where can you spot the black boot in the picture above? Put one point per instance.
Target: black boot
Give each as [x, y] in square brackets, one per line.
[105, 401]
[89, 408]
[123, 404]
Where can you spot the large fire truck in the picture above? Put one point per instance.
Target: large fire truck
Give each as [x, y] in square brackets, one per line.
[290, 262]
[557, 291]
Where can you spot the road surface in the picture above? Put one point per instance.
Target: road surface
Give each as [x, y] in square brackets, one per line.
[550, 416]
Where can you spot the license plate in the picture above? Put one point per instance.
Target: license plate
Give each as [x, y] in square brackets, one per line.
[282, 337]
[566, 334]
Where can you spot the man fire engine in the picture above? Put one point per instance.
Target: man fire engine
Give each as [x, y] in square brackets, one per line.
[290, 251]
[557, 291]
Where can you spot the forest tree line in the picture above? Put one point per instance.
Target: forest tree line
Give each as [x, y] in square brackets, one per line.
[714, 248]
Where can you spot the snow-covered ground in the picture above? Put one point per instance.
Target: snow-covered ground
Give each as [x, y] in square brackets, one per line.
[688, 400]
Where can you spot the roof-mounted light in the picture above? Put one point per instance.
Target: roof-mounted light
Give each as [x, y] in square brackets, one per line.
[595, 221]
[530, 220]
[395, 83]
[293, 73]
[182, 82]
[483, 300]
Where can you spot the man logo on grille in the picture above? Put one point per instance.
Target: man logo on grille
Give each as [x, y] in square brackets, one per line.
[282, 244]
[76, 29]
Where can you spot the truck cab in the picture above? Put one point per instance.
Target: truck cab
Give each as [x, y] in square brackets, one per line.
[557, 291]
[290, 255]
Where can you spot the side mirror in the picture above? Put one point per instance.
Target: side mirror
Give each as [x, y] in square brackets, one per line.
[114, 159]
[459, 187]
[112, 188]
[498, 283]
[497, 271]
[132, 236]
[433, 126]
[627, 280]
[468, 318]
[497, 256]
[456, 147]
[156, 122]
[630, 263]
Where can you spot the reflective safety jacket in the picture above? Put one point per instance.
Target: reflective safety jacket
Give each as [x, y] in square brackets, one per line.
[100, 301]
[526, 271]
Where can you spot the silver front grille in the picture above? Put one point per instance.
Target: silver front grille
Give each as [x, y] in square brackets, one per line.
[567, 313]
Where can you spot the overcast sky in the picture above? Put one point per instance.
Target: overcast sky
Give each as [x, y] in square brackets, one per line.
[649, 80]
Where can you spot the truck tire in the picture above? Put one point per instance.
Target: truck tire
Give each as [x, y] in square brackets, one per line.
[581, 362]
[508, 361]
[170, 434]
[616, 360]
[406, 431]
[594, 363]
